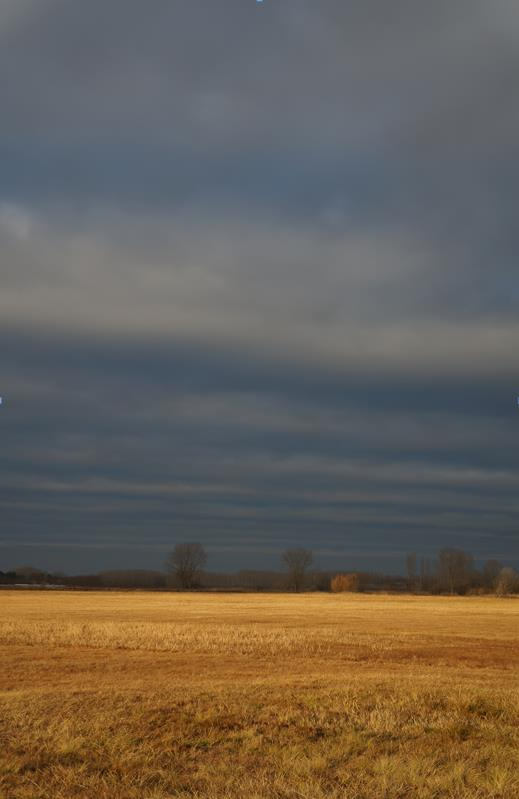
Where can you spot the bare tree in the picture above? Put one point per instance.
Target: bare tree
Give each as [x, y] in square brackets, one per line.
[425, 579]
[297, 562]
[455, 568]
[185, 561]
[491, 572]
[507, 582]
[410, 563]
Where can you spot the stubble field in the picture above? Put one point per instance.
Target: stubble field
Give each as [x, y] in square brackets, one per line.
[154, 695]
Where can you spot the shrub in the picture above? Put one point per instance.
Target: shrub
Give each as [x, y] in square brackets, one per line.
[345, 582]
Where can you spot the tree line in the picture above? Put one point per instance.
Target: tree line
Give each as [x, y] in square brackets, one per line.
[452, 571]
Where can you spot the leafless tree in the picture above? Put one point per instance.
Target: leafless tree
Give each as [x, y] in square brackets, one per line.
[425, 578]
[507, 582]
[455, 569]
[297, 562]
[410, 563]
[185, 561]
[491, 572]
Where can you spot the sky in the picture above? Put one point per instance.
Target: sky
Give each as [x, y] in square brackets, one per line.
[259, 281]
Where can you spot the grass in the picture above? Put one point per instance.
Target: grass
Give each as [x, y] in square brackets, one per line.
[147, 696]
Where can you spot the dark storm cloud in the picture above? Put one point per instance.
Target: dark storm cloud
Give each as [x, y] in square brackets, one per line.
[150, 444]
[122, 84]
[258, 279]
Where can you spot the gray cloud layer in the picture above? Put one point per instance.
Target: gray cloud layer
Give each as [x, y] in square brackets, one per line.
[258, 280]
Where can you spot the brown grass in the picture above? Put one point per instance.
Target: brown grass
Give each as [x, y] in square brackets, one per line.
[145, 696]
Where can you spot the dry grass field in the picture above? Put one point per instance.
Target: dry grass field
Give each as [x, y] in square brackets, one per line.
[145, 696]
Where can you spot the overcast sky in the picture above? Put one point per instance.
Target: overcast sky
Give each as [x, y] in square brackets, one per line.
[259, 280]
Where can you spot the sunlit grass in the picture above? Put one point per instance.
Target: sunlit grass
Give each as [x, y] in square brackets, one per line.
[160, 695]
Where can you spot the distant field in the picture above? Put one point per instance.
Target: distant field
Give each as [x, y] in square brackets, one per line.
[154, 695]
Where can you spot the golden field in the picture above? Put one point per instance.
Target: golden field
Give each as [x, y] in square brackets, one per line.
[107, 695]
